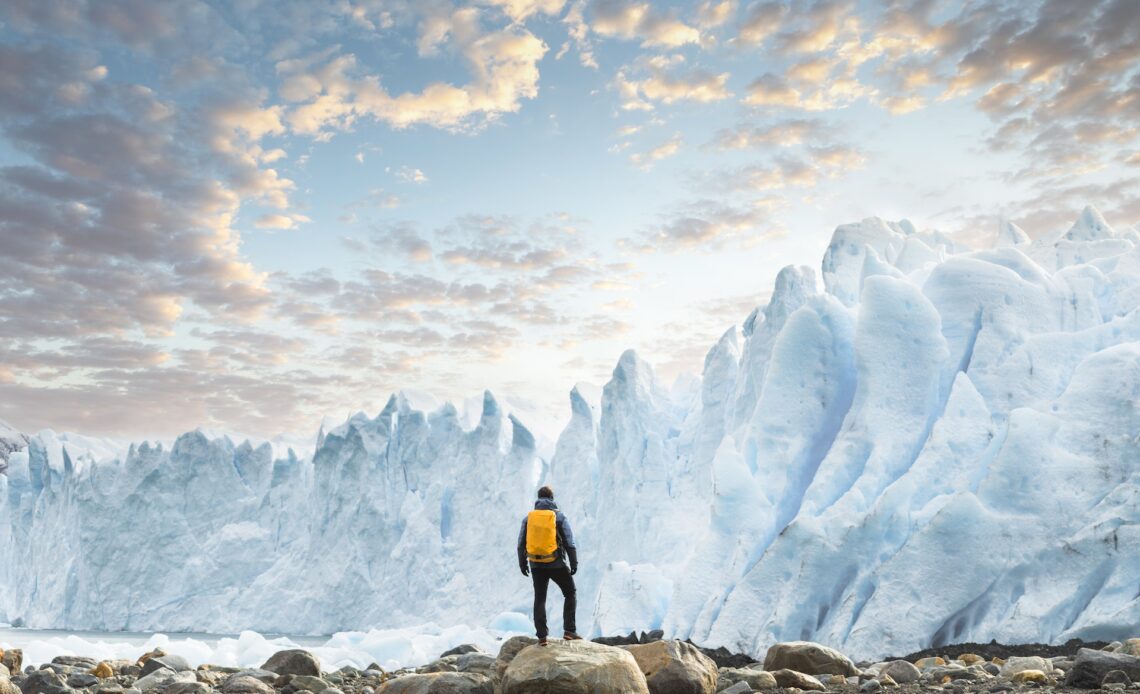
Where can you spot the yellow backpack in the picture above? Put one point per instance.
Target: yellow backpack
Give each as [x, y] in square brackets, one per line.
[541, 536]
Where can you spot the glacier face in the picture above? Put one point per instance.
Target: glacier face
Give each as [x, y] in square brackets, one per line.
[938, 444]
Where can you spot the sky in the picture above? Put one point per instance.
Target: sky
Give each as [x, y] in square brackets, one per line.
[250, 215]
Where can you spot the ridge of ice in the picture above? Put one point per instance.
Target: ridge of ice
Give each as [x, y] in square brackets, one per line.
[937, 445]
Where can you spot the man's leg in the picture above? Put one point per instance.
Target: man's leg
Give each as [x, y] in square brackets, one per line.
[541, 580]
[570, 595]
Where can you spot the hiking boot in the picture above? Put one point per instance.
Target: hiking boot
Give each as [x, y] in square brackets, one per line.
[571, 636]
[543, 641]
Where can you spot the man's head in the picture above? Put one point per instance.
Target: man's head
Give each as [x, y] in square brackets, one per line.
[546, 493]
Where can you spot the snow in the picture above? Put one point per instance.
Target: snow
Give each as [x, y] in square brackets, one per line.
[937, 444]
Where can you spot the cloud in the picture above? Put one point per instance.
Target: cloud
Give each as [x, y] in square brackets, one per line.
[714, 13]
[784, 133]
[520, 10]
[706, 225]
[640, 20]
[280, 221]
[645, 160]
[660, 84]
[408, 174]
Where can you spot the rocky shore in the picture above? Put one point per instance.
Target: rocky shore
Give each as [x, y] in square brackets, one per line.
[638, 664]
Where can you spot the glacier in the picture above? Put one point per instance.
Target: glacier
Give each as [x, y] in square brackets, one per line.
[920, 444]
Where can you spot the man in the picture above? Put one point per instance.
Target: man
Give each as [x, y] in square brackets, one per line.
[545, 545]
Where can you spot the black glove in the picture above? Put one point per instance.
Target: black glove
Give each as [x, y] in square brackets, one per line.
[525, 569]
[573, 569]
[572, 555]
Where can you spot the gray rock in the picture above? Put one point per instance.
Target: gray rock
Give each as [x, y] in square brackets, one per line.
[440, 683]
[755, 679]
[992, 669]
[738, 688]
[109, 687]
[162, 678]
[1116, 677]
[808, 658]
[332, 690]
[871, 685]
[461, 649]
[186, 688]
[81, 680]
[481, 663]
[313, 684]
[44, 682]
[75, 661]
[675, 667]
[510, 648]
[1090, 667]
[266, 676]
[445, 664]
[293, 662]
[573, 667]
[245, 684]
[901, 671]
[800, 680]
[173, 662]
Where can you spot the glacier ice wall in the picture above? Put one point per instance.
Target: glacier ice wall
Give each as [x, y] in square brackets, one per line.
[935, 444]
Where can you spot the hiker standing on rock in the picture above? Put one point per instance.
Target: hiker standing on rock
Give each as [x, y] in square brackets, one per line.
[545, 544]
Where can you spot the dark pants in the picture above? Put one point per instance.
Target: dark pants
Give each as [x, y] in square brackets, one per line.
[542, 577]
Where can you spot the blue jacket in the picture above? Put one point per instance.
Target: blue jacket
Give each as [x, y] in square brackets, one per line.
[566, 547]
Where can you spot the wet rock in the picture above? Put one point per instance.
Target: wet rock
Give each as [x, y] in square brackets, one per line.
[573, 667]
[439, 683]
[808, 658]
[293, 662]
[675, 666]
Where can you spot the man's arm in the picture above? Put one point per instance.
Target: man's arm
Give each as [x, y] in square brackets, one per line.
[568, 543]
[523, 565]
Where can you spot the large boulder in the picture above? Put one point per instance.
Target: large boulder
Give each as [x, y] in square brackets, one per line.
[293, 662]
[1091, 666]
[75, 661]
[6, 686]
[808, 658]
[245, 684]
[675, 666]
[162, 678]
[573, 667]
[439, 683]
[13, 659]
[510, 648]
[755, 679]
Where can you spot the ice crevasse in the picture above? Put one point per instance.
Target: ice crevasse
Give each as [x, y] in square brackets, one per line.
[922, 444]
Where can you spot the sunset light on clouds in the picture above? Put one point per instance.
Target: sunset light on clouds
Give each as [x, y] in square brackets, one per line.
[249, 215]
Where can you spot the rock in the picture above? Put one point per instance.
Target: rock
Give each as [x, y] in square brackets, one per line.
[971, 658]
[755, 679]
[925, 663]
[801, 680]
[991, 669]
[1113, 647]
[1024, 676]
[901, 671]
[331, 690]
[186, 688]
[75, 661]
[245, 684]
[103, 670]
[4, 672]
[1018, 664]
[439, 683]
[738, 688]
[6, 686]
[887, 681]
[462, 649]
[156, 653]
[313, 684]
[293, 662]
[480, 663]
[446, 664]
[870, 686]
[162, 678]
[509, 650]
[43, 682]
[573, 667]
[675, 666]
[81, 680]
[1091, 666]
[266, 676]
[1116, 676]
[13, 659]
[172, 662]
[808, 658]
[1131, 647]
